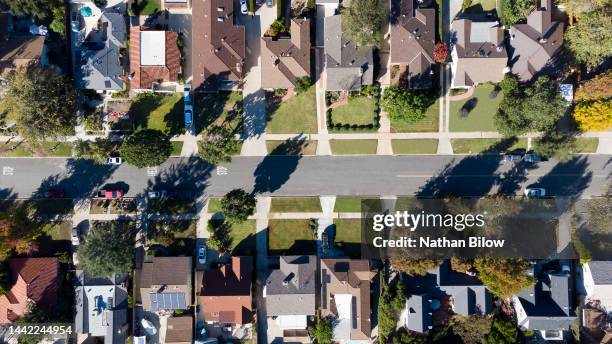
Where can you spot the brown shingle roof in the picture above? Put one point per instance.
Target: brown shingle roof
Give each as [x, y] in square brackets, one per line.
[226, 292]
[143, 77]
[218, 45]
[164, 275]
[179, 330]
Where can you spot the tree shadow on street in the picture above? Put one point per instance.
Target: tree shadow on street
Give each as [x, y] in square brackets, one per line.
[189, 176]
[275, 169]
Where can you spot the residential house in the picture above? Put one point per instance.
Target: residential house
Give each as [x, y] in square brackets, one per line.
[290, 291]
[218, 46]
[412, 43]
[286, 58]
[225, 296]
[179, 330]
[547, 307]
[347, 66]
[345, 295]
[164, 283]
[101, 307]
[18, 49]
[597, 277]
[478, 53]
[155, 58]
[100, 64]
[33, 281]
[440, 290]
[535, 44]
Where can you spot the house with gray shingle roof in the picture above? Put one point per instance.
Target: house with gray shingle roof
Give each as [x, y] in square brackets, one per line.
[534, 45]
[597, 277]
[347, 66]
[478, 53]
[100, 65]
[463, 293]
[547, 306]
[290, 291]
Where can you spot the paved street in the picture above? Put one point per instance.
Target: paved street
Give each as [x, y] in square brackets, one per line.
[588, 175]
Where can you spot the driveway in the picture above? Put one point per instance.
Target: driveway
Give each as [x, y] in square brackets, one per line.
[181, 22]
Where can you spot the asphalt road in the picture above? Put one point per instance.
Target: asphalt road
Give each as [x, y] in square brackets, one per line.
[586, 175]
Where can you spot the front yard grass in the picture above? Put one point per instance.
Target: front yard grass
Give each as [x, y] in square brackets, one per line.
[359, 110]
[157, 111]
[493, 146]
[296, 115]
[484, 5]
[295, 204]
[55, 238]
[352, 147]
[347, 204]
[290, 237]
[243, 238]
[219, 108]
[348, 237]
[586, 144]
[171, 206]
[480, 118]
[427, 124]
[148, 7]
[41, 149]
[416, 146]
[292, 147]
[177, 237]
[177, 147]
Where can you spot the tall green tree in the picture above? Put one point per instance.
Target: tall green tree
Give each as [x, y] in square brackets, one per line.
[107, 249]
[98, 150]
[504, 277]
[321, 331]
[405, 105]
[58, 24]
[37, 8]
[503, 331]
[413, 267]
[391, 301]
[515, 10]
[147, 147]
[237, 205]
[590, 40]
[471, 329]
[363, 21]
[219, 144]
[43, 103]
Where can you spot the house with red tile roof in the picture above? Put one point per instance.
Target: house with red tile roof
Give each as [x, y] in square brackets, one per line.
[33, 281]
[155, 58]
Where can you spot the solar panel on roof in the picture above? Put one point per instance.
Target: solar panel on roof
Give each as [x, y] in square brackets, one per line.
[167, 301]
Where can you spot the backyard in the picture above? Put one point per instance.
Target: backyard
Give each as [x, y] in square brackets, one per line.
[290, 237]
[481, 108]
[156, 111]
[297, 114]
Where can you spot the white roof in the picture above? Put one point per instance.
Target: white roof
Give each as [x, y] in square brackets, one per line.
[292, 321]
[153, 48]
[99, 302]
[342, 328]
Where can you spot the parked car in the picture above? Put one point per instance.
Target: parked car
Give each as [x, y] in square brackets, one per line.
[75, 258]
[244, 8]
[532, 158]
[111, 193]
[269, 3]
[114, 160]
[54, 193]
[511, 157]
[157, 194]
[75, 23]
[187, 94]
[202, 254]
[75, 236]
[534, 192]
[188, 117]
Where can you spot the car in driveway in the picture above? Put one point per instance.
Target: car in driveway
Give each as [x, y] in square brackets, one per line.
[54, 193]
[157, 193]
[74, 237]
[532, 158]
[111, 193]
[534, 192]
[114, 160]
[244, 8]
[202, 254]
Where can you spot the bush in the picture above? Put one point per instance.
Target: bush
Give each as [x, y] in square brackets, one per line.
[302, 84]
[146, 147]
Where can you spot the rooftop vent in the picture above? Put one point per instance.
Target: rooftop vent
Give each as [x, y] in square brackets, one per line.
[288, 279]
[220, 9]
[220, 19]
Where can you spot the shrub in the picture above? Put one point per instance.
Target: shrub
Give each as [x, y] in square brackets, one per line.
[441, 52]
[302, 84]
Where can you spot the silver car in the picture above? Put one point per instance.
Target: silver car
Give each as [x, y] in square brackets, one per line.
[534, 192]
[202, 254]
[74, 237]
[114, 160]
[244, 8]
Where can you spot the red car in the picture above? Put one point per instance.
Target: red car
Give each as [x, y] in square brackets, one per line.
[54, 193]
[111, 194]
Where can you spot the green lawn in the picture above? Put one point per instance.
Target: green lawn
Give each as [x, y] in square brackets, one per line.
[475, 146]
[177, 146]
[41, 149]
[295, 204]
[586, 144]
[214, 205]
[348, 237]
[180, 242]
[480, 118]
[290, 237]
[148, 7]
[417, 146]
[157, 111]
[427, 124]
[292, 147]
[58, 230]
[296, 115]
[171, 206]
[359, 110]
[217, 108]
[243, 238]
[485, 5]
[351, 147]
[347, 204]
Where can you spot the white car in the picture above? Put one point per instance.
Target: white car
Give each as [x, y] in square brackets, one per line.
[202, 254]
[114, 160]
[75, 258]
[534, 192]
[244, 8]
[75, 236]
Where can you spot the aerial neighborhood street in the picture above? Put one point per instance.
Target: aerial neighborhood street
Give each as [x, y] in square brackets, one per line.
[209, 171]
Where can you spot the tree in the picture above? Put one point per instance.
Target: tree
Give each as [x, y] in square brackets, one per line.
[43, 103]
[219, 144]
[413, 267]
[322, 332]
[514, 11]
[403, 104]
[19, 230]
[504, 277]
[147, 147]
[594, 116]
[600, 87]
[58, 25]
[440, 52]
[107, 249]
[461, 264]
[220, 238]
[98, 150]
[503, 331]
[302, 84]
[405, 338]
[40, 9]
[471, 329]
[237, 205]
[590, 40]
[554, 143]
[363, 21]
[391, 301]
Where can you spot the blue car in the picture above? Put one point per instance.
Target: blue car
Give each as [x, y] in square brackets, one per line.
[188, 107]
